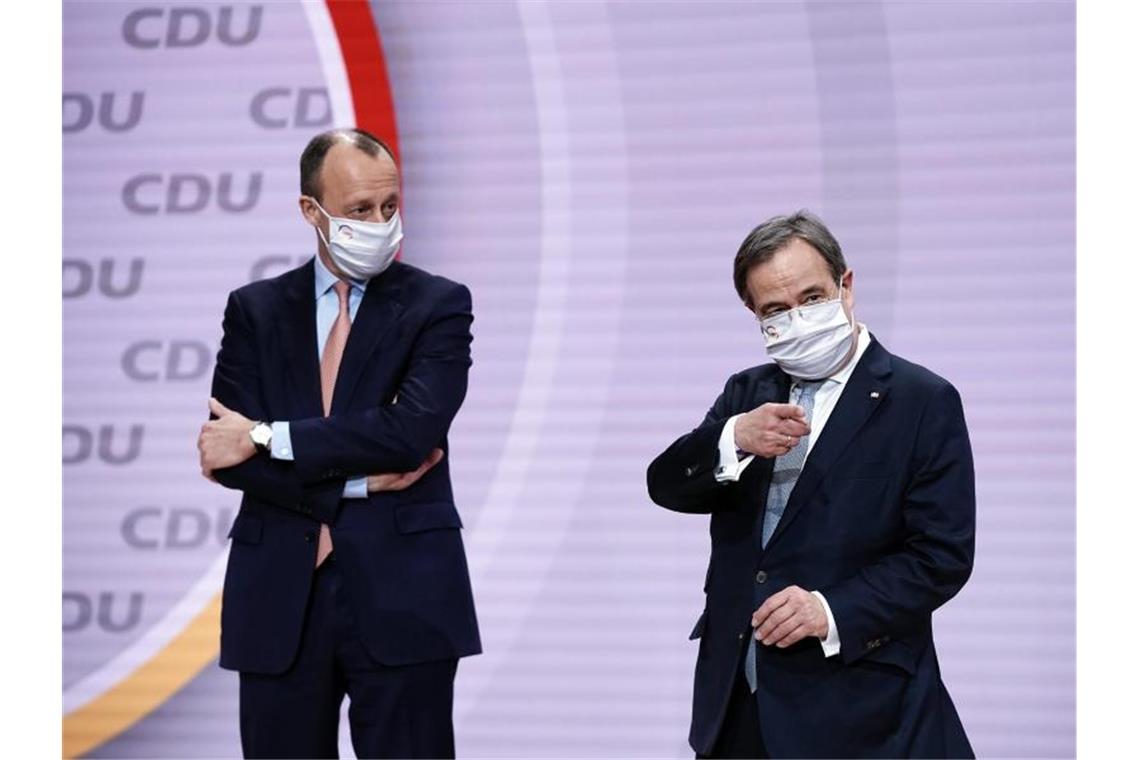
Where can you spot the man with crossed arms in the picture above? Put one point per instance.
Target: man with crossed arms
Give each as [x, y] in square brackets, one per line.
[340, 582]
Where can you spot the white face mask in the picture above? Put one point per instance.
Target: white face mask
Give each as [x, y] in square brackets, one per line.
[809, 342]
[362, 250]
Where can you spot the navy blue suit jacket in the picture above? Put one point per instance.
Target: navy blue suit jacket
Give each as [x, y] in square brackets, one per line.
[881, 521]
[401, 381]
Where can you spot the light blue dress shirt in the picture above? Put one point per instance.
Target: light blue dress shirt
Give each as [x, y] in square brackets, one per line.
[328, 305]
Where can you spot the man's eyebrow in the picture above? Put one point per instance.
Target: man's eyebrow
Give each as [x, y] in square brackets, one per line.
[764, 307]
[809, 290]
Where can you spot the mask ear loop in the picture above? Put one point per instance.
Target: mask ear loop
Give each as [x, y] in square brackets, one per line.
[323, 238]
[327, 216]
[851, 317]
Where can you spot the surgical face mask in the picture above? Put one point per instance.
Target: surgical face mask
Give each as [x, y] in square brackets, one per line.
[362, 250]
[809, 342]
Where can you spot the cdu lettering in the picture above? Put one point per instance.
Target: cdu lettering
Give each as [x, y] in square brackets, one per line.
[79, 277]
[79, 112]
[188, 27]
[184, 193]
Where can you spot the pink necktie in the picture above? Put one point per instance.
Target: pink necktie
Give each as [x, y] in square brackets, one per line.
[330, 363]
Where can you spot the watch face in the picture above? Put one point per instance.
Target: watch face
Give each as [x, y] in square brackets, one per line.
[261, 434]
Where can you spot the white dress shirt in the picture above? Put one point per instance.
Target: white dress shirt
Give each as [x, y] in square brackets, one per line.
[730, 465]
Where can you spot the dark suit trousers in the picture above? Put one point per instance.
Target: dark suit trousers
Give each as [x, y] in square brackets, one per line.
[739, 735]
[393, 711]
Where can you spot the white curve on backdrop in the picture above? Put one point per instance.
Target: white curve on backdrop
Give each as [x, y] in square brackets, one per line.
[500, 521]
[497, 515]
[332, 62]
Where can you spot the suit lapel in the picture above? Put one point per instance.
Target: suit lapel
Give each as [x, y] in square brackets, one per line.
[297, 324]
[864, 392]
[774, 390]
[379, 309]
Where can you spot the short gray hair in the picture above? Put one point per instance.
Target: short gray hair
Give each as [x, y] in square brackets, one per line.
[768, 238]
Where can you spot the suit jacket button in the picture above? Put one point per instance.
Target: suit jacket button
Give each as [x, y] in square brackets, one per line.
[740, 637]
[309, 536]
[761, 576]
[689, 471]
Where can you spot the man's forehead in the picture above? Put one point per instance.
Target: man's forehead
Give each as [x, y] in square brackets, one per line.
[347, 168]
[795, 263]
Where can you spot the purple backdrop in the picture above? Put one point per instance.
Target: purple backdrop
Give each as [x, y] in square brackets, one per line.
[589, 171]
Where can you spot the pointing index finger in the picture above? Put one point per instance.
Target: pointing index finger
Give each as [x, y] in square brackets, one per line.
[788, 411]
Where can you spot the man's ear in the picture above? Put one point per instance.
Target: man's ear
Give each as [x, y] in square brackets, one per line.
[309, 210]
[848, 281]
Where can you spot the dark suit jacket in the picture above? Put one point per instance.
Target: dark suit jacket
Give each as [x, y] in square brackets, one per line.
[400, 383]
[881, 522]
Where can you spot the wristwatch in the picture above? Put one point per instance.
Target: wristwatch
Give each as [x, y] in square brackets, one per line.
[262, 435]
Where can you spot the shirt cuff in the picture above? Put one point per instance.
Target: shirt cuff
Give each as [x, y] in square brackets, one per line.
[730, 465]
[357, 488]
[831, 643]
[281, 447]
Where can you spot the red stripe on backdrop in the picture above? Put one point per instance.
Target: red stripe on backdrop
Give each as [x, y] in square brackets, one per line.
[367, 74]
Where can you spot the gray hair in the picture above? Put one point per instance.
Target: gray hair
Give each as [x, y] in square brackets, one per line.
[768, 238]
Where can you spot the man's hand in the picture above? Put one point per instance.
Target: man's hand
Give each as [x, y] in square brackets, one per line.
[789, 616]
[398, 481]
[770, 430]
[225, 441]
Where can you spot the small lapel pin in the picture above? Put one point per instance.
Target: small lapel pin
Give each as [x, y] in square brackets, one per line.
[874, 394]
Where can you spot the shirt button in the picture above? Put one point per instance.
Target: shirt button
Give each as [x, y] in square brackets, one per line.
[761, 577]
[284, 452]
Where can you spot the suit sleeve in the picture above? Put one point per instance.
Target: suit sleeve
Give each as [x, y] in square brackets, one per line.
[236, 382]
[683, 477]
[397, 437]
[895, 595]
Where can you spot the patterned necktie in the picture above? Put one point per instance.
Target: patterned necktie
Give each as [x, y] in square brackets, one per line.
[785, 472]
[330, 363]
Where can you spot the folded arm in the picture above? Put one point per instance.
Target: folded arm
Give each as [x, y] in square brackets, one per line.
[235, 384]
[396, 437]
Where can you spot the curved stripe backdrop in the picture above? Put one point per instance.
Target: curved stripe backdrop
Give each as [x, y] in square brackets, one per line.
[589, 170]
